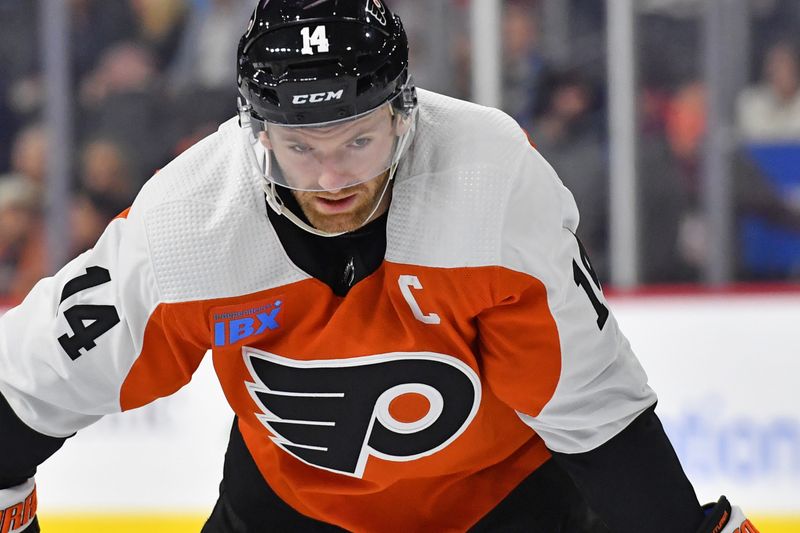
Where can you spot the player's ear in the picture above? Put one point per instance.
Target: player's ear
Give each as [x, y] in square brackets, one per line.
[402, 123]
[263, 137]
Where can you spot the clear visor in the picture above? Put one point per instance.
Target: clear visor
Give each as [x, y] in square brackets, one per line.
[334, 155]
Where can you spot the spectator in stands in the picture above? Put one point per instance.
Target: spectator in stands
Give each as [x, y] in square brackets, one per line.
[121, 101]
[770, 111]
[208, 44]
[199, 81]
[663, 198]
[9, 122]
[752, 194]
[524, 67]
[95, 26]
[21, 245]
[568, 136]
[22, 253]
[106, 175]
[18, 57]
[29, 157]
[106, 188]
[88, 218]
[160, 25]
[685, 129]
[19, 61]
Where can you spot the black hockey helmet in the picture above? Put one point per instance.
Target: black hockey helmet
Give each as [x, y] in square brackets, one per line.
[304, 62]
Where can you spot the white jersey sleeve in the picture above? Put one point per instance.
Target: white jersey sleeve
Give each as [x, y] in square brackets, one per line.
[69, 351]
[65, 351]
[601, 386]
[127, 322]
[479, 196]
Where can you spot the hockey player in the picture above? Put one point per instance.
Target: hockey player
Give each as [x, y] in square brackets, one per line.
[398, 310]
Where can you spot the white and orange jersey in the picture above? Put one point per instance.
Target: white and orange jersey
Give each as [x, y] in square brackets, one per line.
[437, 383]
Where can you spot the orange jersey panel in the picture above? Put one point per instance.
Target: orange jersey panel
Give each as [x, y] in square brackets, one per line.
[484, 453]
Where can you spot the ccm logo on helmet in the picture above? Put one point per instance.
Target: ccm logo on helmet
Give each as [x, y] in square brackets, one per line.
[316, 98]
[335, 414]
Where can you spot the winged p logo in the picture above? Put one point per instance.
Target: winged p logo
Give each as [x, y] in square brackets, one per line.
[335, 414]
[376, 9]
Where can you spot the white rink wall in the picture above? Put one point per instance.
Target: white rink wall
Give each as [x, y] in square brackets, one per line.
[727, 372]
[726, 368]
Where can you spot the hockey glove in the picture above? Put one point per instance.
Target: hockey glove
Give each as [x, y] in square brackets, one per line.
[722, 518]
[18, 508]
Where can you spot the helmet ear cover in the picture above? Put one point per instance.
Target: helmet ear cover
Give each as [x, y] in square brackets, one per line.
[403, 107]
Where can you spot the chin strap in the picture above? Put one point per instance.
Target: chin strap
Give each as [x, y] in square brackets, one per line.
[277, 205]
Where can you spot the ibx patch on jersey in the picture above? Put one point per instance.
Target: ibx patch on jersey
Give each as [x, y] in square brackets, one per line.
[335, 414]
[236, 324]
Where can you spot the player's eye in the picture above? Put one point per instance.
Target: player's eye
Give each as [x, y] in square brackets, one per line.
[300, 148]
[361, 142]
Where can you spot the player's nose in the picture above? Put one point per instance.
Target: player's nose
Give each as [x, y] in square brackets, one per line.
[333, 176]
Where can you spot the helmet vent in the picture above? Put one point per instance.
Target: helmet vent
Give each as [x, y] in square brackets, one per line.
[264, 70]
[363, 84]
[270, 95]
[312, 65]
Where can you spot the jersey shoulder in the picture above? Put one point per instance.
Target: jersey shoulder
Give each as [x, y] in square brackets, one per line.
[204, 216]
[451, 129]
[214, 170]
[470, 181]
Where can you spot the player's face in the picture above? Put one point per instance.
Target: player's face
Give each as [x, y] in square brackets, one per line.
[346, 209]
[337, 173]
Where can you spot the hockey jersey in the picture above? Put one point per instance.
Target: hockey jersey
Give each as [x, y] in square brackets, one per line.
[438, 382]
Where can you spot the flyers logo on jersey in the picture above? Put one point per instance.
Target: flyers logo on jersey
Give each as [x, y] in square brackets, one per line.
[335, 414]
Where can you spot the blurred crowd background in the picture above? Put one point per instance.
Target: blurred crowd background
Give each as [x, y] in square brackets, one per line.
[151, 77]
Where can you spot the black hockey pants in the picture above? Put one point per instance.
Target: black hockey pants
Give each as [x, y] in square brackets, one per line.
[547, 501]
